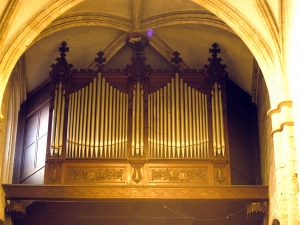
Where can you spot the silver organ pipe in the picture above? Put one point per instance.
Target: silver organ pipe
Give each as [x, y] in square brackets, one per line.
[182, 134]
[97, 120]
[125, 124]
[178, 122]
[88, 133]
[113, 131]
[161, 122]
[58, 121]
[173, 128]
[150, 122]
[165, 112]
[81, 122]
[137, 139]
[157, 125]
[205, 121]
[142, 123]
[217, 121]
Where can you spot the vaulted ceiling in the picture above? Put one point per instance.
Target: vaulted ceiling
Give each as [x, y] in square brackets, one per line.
[183, 26]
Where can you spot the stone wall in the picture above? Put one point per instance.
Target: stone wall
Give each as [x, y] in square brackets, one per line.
[266, 142]
[3, 126]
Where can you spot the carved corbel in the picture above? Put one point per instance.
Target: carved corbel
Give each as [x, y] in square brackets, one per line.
[219, 170]
[137, 165]
[54, 170]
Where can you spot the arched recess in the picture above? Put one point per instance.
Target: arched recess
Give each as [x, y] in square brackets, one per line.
[232, 17]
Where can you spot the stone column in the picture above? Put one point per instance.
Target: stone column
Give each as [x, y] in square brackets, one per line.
[286, 200]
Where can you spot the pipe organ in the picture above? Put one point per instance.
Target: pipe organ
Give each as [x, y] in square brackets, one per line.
[138, 126]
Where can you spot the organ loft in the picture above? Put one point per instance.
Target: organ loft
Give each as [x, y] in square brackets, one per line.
[135, 134]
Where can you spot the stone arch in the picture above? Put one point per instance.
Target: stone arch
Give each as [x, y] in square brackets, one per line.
[18, 43]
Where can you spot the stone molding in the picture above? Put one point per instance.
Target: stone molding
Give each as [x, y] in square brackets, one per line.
[6, 18]
[94, 193]
[281, 116]
[183, 17]
[265, 12]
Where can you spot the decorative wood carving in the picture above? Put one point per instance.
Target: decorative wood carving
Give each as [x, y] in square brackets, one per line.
[179, 175]
[75, 175]
[77, 192]
[54, 170]
[137, 165]
[219, 168]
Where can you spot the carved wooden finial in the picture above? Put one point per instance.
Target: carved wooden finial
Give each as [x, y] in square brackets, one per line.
[176, 60]
[214, 50]
[63, 49]
[100, 60]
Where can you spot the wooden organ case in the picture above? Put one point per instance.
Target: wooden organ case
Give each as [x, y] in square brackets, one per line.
[138, 126]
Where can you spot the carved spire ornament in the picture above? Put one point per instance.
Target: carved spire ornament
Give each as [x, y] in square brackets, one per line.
[256, 211]
[15, 211]
[100, 60]
[176, 60]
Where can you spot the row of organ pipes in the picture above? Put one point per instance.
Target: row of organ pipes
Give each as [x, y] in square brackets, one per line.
[217, 121]
[97, 122]
[137, 137]
[58, 121]
[178, 122]
[97, 125]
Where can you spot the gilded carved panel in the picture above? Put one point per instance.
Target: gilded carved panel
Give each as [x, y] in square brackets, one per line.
[179, 175]
[94, 175]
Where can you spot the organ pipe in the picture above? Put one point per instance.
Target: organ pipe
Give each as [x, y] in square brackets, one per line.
[165, 111]
[150, 122]
[173, 116]
[177, 127]
[161, 122]
[169, 119]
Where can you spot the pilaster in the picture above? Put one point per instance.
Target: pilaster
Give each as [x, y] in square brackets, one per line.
[285, 163]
